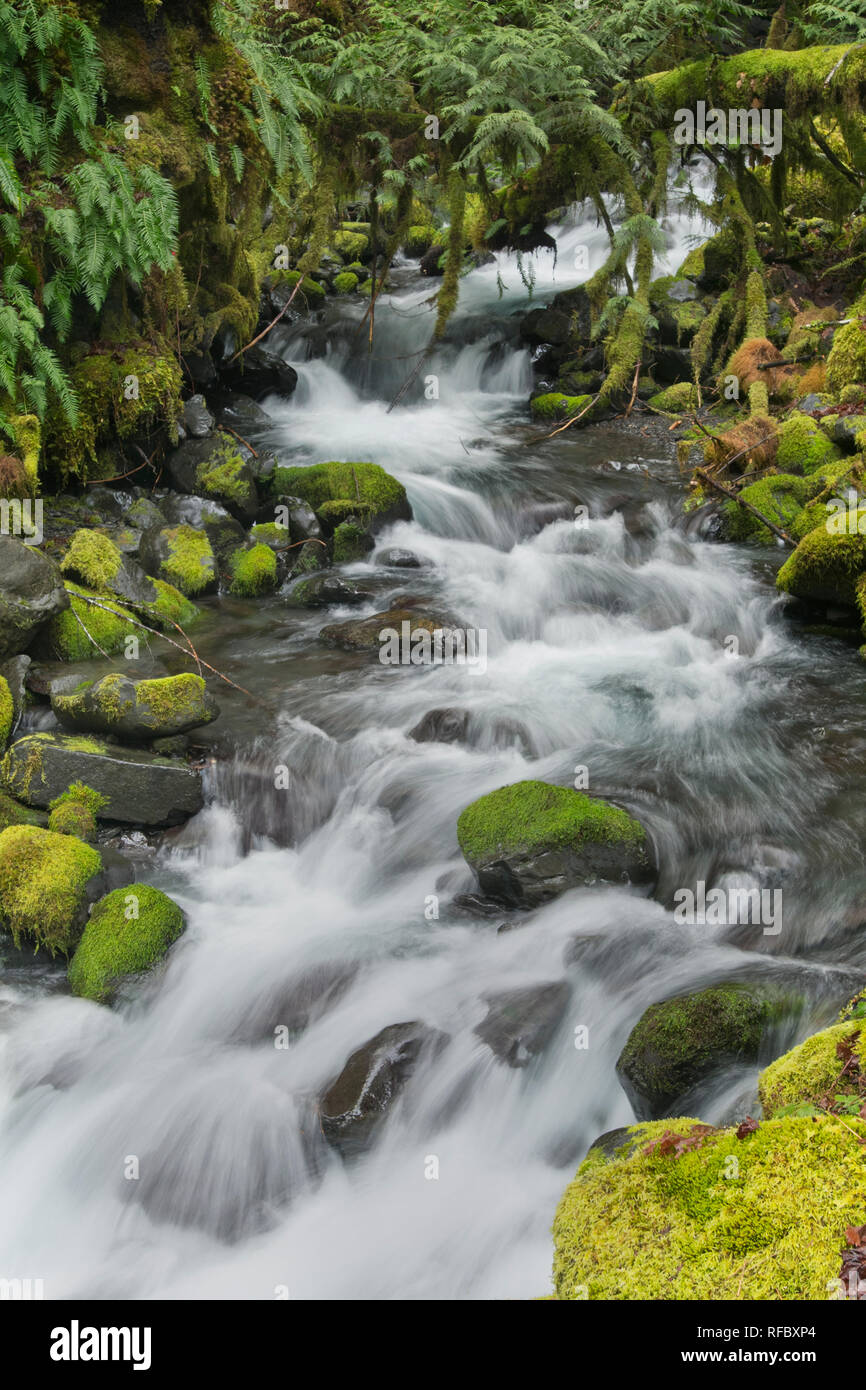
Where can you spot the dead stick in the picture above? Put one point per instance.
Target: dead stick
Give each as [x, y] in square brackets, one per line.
[273, 323]
[741, 502]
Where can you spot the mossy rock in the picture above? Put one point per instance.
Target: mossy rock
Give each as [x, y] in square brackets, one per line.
[350, 245]
[351, 543]
[847, 360]
[809, 1076]
[363, 485]
[679, 1041]
[271, 534]
[107, 627]
[780, 497]
[129, 931]
[138, 787]
[7, 712]
[94, 561]
[31, 594]
[675, 400]
[44, 881]
[803, 447]
[530, 841]
[310, 290]
[137, 709]
[758, 1218]
[183, 557]
[254, 571]
[73, 818]
[825, 567]
[418, 240]
[14, 812]
[345, 283]
[553, 405]
[226, 477]
[170, 609]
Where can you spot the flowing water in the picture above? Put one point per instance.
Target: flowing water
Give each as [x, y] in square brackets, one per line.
[608, 648]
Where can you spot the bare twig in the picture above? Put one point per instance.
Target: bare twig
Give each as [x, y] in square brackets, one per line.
[633, 388]
[241, 438]
[89, 635]
[273, 323]
[741, 502]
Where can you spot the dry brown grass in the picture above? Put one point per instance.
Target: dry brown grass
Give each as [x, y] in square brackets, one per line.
[748, 446]
[13, 477]
[745, 366]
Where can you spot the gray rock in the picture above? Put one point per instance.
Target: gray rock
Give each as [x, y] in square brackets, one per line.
[309, 557]
[260, 372]
[441, 726]
[242, 414]
[137, 710]
[521, 1022]
[575, 303]
[31, 592]
[326, 589]
[130, 583]
[362, 634]
[196, 468]
[846, 429]
[197, 419]
[356, 1102]
[156, 548]
[396, 558]
[546, 326]
[682, 291]
[302, 521]
[141, 788]
[144, 514]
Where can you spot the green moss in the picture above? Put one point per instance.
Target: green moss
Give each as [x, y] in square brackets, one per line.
[310, 289]
[555, 406]
[129, 931]
[12, 812]
[350, 543]
[26, 431]
[759, 1218]
[677, 1041]
[676, 399]
[91, 559]
[692, 267]
[7, 712]
[79, 794]
[418, 239]
[809, 1075]
[43, 883]
[254, 571]
[826, 566]
[361, 483]
[189, 565]
[803, 447]
[66, 639]
[847, 360]
[528, 814]
[169, 699]
[269, 533]
[224, 476]
[345, 283]
[332, 514]
[350, 245]
[171, 608]
[780, 497]
[73, 818]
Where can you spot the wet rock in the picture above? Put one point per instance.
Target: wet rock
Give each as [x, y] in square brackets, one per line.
[441, 726]
[371, 1081]
[197, 419]
[530, 841]
[478, 906]
[429, 263]
[201, 369]
[325, 590]
[679, 1041]
[137, 710]
[260, 372]
[216, 468]
[846, 430]
[14, 672]
[362, 634]
[225, 532]
[521, 1022]
[396, 558]
[241, 413]
[294, 513]
[140, 788]
[182, 556]
[31, 593]
[546, 326]
[576, 304]
[309, 557]
[144, 514]
[94, 561]
[297, 1004]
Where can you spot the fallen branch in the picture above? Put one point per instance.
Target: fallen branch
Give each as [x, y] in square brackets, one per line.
[741, 502]
[273, 323]
[580, 416]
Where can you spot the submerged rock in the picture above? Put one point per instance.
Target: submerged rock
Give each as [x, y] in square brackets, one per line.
[31, 593]
[137, 709]
[363, 634]
[325, 590]
[441, 726]
[530, 841]
[681, 1040]
[521, 1022]
[397, 558]
[140, 788]
[356, 1102]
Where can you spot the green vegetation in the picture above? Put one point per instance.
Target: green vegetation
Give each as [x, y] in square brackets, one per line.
[7, 712]
[92, 559]
[529, 814]
[83, 630]
[254, 571]
[820, 1073]
[189, 563]
[129, 931]
[353, 486]
[43, 885]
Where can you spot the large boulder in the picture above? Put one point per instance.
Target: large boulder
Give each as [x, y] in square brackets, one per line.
[128, 932]
[546, 326]
[94, 561]
[521, 1022]
[530, 841]
[260, 372]
[47, 883]
[137, 709]
[223, 530]
[140, 788]
[816, 1074]
[182, 556]
[31, 593]
[826, 566]
[215, 467]
[356, 1102]
[677, 1042]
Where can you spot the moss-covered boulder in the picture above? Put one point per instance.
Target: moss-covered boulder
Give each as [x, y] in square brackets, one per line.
[87, 629]
[679, 1041]
[182, 556]
[780, 497]
[253, 571]
[94, 561]
[822, 1073]
[826, 566]
[675, 400]
[44, 882]
[216, 468]
[847, 360]
[139, 788]
[553, 405]
[137, 709]
[684, 1211]
[530, 841]
[351, 542]
[7, 712]
[170, 609]
[31, 594]
[129, 931]
[803, 447]
[345, 283]
[14, 812]
[363, 485]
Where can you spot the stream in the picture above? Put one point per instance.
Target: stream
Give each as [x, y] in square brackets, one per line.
[607, 648]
